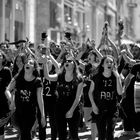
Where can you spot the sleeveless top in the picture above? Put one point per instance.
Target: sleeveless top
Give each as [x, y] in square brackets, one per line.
[105, 92]
[66, 92]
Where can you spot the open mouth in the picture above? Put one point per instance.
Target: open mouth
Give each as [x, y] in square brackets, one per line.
[109, 67]
[67, 65]
[27, 67]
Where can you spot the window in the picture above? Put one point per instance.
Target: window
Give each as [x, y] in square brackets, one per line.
[68, 14]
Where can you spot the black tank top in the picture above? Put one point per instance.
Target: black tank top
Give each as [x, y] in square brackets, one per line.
[66, 92]
[105, 92]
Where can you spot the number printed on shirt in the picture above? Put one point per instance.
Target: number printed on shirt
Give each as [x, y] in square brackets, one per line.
[47, 91]
[107, 83]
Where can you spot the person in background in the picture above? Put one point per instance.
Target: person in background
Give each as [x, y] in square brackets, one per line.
[90, 71]
[5, 78]
[49, 88]
[131, 121]
[19, 62]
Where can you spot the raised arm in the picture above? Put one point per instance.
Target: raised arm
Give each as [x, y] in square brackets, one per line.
[114, 47]
[54, 62]
[46, 64]
[100, 56]
[127, 58]
[119, 82]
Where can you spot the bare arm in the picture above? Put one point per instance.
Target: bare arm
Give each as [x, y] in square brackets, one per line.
[90, 93]
[54, 62]
[119, 82]
[76, 101]
[40, 101]
[114, 47]
[29, 51]
[52, 77]
[9, 94]
[100, 56]
[9, 89]
[127, 58]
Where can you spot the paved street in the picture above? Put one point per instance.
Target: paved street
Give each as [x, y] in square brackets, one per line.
[11, 134]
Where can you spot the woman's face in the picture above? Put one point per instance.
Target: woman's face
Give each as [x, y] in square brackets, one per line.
[108, 64]
[29, 66]
[103, 52]
[69, 65]
[19, 62]
[91, 58]
[136, 52]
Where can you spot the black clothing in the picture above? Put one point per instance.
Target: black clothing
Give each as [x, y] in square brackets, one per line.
[105, 97]
[26, 105]
[105, 92]
[89, 73]
[131, 121]
[86, 99]
[49, 105]
[128, 107]
[5, 78]
[66, 96]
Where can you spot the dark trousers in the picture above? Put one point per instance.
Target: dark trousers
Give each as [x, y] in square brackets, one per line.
[129, 121]
[25, 120]
[137, 122]
[105, 126]
[2, 130]
[62, 122]
[49, 105]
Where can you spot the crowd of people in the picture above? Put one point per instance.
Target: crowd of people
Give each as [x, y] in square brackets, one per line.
[72, 85]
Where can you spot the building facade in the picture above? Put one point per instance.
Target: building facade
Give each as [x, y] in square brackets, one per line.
[83, 18]
[129, 12]
[17, 20]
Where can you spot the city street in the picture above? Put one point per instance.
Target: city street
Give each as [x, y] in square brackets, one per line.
[11, 134]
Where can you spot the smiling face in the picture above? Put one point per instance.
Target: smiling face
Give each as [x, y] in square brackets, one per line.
[108, 64]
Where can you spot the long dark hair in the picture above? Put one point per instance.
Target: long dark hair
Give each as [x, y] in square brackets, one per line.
[15, 67]
[36, 74]
[100, 67]
[76, 73]
[4, 61]
[95, 55]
